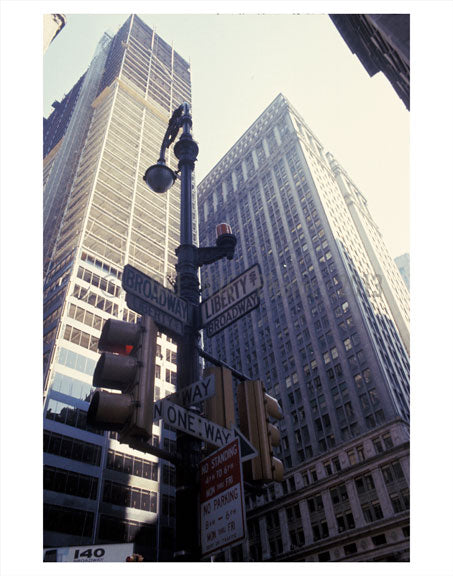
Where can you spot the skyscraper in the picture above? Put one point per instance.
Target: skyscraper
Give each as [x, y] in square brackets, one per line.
[382, 43]
[404, 266]
[53, 25]
[98, 216]
[330, 340]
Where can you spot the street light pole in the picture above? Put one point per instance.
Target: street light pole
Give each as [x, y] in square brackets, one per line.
[187, 491]
[160, 178]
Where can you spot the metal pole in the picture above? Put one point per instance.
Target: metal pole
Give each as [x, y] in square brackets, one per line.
[188, 448]
[160, 178]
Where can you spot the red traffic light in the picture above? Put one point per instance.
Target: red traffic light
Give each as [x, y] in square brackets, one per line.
[119, 337]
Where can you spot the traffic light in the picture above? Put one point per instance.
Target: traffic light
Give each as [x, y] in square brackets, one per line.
[220, 408]
[127, 364]
[255, 409]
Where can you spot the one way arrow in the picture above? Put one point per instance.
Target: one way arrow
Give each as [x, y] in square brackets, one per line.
[248, 451]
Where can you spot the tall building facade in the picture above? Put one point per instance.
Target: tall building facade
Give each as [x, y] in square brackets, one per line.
[330, 340]
[382, 43]
[53, 24]
[404, 266]
[98, 216]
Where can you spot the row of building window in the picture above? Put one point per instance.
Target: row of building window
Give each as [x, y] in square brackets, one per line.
[69, 415]
[109, 270]
[72, 386]
[68, 520]
[98, 281]
[68, 447]
[96, 300]
[132, 465]
[129, 496]
[81, 338]
[68, 482]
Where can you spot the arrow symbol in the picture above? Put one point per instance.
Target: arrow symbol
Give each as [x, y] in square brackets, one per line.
[248, 451]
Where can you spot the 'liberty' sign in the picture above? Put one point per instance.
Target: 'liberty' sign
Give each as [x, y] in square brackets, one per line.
[237, 298]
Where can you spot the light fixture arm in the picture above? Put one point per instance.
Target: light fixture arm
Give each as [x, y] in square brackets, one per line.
[174, 124]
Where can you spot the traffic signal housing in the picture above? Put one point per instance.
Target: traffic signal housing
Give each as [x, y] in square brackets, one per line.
[127, 364]
[220, 408]
[255, 410]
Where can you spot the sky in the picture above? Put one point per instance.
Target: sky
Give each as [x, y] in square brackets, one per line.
[333, 106]
[240, 62]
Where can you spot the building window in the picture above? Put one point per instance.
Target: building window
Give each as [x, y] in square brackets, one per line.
[68, 520]
[364, 484]
[352, 457]
[372, 512]
[320, 531]
[388, 442]
[336, 464]
[131, 465]
[315, 504]
[393, 472]
[339, 494]
[112, 529]
[360, 453]
[378, 445]
[350, 549]
[345, 522]
[379, 540]
[67, 482]
[72, 448]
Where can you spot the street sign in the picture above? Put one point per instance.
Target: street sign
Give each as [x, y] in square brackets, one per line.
[232, 294]
[230, 316]
[193, 394]
[192, 424]
[221, 499]
[165, 322]
[152, 292]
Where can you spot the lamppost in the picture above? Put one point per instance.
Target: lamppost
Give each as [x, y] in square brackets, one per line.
[161, 178]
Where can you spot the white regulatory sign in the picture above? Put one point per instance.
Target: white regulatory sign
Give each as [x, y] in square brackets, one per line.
[193, 394]
[222, 514]
[192, 424]
[242, 286]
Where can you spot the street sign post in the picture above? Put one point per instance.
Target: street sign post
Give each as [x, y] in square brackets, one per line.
[147, 296]
[232, 295]
[221, 499]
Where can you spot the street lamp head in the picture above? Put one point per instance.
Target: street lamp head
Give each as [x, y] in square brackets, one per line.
[159, 177]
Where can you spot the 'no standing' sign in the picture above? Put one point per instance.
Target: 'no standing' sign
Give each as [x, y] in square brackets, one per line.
[221, 499]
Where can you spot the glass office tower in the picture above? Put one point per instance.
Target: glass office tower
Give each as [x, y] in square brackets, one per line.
[98, 216]
[330, 340]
